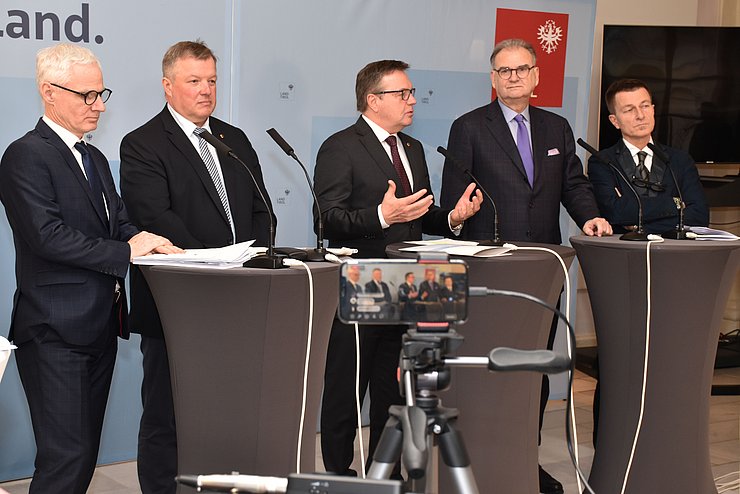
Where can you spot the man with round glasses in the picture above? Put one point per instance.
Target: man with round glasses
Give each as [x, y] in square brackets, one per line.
[631, 110]
[73, 243]
[525, 158]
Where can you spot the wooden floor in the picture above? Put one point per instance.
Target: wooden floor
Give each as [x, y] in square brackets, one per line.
[724, 436]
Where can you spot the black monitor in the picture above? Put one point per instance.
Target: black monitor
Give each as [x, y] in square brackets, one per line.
[694, 76]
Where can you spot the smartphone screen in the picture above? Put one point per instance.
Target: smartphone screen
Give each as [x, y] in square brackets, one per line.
[382, 291]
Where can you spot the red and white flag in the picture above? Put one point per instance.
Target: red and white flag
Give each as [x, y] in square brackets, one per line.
[547, 32]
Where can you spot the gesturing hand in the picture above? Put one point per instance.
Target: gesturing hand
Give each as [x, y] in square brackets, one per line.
[404, 209]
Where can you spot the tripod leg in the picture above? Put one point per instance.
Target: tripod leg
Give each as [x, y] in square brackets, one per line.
[455, 456]
[388, 451]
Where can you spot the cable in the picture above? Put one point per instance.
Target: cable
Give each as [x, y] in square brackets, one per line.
[571, 402]
[568, 431]
[645, 364]
[357, 399]
[727, 486]
[296, 262]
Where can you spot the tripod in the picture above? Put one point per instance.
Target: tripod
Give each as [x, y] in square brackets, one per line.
[413, 430]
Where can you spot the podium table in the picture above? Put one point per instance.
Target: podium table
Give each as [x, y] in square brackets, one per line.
[499, 413]
[690, 282]
[236, 341]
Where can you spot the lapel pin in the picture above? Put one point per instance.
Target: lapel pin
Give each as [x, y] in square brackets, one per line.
[221, 136]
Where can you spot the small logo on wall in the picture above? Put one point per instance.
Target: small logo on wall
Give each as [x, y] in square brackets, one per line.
[549, 36]
[51, 26]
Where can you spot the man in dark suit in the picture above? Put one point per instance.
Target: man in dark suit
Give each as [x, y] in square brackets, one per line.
[633, 113]
[631, 110]
[377, 285]
[525, 158]
[429, 288]
[408, 294]
[176, 184]
[73, 244]
[373, 186]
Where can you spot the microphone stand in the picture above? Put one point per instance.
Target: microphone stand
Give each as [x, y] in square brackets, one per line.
[680, 232]
[638, 235]
[319, 253]
[270, 260]
[496, 240]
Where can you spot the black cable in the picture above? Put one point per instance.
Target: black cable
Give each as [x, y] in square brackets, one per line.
[571, 331]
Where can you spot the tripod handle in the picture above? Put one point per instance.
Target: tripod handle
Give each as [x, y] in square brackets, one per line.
[414, 425]
[544, 361]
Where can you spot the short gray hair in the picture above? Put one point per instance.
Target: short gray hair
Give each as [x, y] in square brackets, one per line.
[53, 63]
[513, 43]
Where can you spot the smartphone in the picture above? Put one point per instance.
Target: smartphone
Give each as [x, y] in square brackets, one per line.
[401, 291]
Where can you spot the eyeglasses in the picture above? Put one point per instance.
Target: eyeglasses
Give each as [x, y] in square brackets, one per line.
[405, 93]
[647, 184]
[521, 72]
[89, 97]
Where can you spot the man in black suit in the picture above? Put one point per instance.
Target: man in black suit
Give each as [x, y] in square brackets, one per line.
[377, 285]
[408, 294]
[73, 244]
[631, 110]
[373, 186]
[525, 158]
[176, 184]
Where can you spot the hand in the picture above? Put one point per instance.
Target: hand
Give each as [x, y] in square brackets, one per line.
[144, 243]
[404, 209]
[597, 226]
[465, 207]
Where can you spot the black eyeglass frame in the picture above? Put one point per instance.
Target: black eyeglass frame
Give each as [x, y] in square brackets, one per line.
[104, 94]
[406, 91]
[521, 72]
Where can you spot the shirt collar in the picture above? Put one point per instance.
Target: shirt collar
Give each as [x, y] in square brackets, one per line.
[509, 114]
[634, 149]
[379, 131]
[67, 137]
[186, 125]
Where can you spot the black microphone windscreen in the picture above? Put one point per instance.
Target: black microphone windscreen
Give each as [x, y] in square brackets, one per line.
[217, 143]
[280, 141]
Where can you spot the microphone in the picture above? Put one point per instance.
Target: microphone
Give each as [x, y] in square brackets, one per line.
[319, 253]
[496, 241]
[234, 483]
[680, 232]
[270, 260]
[638, 235]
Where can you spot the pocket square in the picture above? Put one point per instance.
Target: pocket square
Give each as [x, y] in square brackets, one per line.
[553, 152]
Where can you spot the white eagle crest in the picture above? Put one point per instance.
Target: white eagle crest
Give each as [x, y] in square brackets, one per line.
[549, 35]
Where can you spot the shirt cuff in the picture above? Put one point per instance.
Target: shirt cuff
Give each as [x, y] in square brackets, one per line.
[456, 229]
[383, 224]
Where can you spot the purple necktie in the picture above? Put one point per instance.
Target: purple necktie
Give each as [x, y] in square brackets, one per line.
[525, 150]
[405, 184]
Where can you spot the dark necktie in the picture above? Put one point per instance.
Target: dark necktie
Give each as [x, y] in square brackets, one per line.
[525, 149]
[398, 165]
[93, 179]
[642, 172]
[210, 163]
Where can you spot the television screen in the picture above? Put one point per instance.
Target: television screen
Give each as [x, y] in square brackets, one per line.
[694, 76]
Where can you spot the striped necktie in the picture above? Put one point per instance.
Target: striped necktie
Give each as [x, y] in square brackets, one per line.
[210, 163]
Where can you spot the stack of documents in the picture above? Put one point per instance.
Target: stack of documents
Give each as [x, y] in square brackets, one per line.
[457, 248]
[227, 257]
[704, 233]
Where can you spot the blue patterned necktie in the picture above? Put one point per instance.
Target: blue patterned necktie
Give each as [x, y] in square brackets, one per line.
[93, 179]
[525, 149]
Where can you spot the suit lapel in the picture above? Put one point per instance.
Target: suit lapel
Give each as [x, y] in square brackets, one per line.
[538, 128]
[499, 130]
[182, 143]
[375, 149]
[69, 159]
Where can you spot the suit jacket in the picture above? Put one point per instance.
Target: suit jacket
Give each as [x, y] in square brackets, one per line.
[168, 191]
[428, 292]
[404, 289]
[372, 287]
[619, 205]
[482, 143]
[69, 256]
[351, 177]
